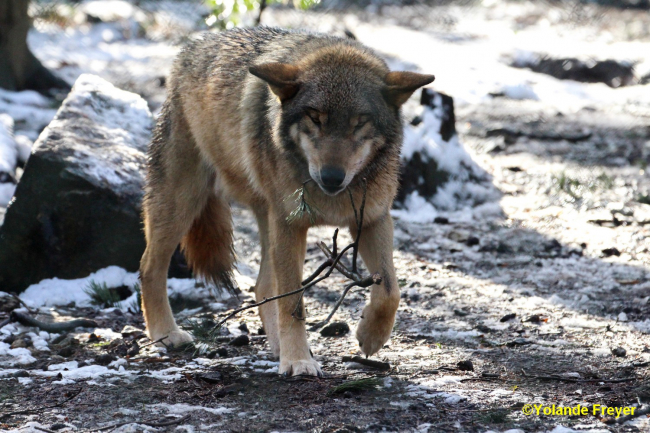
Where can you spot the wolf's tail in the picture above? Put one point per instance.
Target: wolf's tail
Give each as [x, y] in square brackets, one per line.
[208, 246]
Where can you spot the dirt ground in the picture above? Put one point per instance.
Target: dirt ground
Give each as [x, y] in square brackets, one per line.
[544, 302]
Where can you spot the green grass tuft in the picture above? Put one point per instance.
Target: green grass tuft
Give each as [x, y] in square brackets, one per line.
[101, 295]
[497, 416]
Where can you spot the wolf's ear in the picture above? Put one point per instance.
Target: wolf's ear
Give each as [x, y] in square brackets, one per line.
[401, 85]
[281, 78]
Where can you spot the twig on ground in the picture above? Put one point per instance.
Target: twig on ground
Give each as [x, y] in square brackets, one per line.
[637, 413]
[57, 327]
[17, 298]
[380, 365]
[5, 322]
[366, 282]
[154, 342]
[148, 422]
[570, 379]
[42, 408]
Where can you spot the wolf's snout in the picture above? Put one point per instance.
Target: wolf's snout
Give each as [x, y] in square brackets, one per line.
[332, 179]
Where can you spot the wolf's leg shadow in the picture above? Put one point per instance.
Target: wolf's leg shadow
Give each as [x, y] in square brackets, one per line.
[179, 185]
[288, 248]
[264, 284]
[378, 316]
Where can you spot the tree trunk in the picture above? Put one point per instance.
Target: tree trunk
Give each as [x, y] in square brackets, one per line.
[19, 68]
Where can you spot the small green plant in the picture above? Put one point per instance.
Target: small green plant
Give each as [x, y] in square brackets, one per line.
[101, 295]
[497, 416]
[304, 208]
[226, 14]
[643, 198]
[201, 330]
[135, 306]
[360, 385]
[577, 187]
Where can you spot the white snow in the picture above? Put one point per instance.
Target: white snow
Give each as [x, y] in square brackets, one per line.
[55, 291]
[181, 408]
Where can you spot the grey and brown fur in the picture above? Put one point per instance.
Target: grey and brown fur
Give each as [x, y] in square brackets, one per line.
[251, 115]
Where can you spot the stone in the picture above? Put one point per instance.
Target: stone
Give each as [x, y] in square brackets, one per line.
[77, 206]
[434, 165]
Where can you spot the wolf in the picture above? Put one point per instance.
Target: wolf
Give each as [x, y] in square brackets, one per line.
[252, 115]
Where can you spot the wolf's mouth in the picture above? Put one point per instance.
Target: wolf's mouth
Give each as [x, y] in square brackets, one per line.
[330, 190]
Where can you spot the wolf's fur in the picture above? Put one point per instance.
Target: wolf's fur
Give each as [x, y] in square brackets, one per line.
[251, 115]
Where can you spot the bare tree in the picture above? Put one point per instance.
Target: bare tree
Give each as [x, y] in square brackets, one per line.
[19, 68]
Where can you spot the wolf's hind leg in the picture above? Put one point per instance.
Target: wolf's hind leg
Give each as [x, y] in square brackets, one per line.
[264, 284]
[179, 188]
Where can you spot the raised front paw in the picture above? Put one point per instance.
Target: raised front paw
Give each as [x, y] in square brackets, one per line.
[174, 338]
[308, 367]
[374, 330]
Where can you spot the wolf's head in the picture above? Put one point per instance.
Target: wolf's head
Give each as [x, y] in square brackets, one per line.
[339, 108]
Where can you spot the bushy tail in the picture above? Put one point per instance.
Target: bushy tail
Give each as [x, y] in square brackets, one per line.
[208, 246]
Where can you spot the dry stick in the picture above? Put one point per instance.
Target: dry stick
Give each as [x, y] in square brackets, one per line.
[569, 379]
[284, 295]
[149, 422]
[380, 365]
[5, 322]
[353, 275]
[154, 342]
[24, 319]
[366, 282]
[340, 266]
[40, 409]
[31, 310]
[637, 413]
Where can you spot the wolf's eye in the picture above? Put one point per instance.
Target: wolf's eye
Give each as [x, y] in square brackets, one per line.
[315, 116]
[362, 120]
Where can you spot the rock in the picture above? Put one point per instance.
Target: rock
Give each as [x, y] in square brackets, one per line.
[20, 373]
[472, 240]
[335, 329]
[241, 340]
[66, 351]
[243, 328]
[77, 206]
[8, 159]
[211, 377]
[105, 359]
[608, 252]
[619, 351]
[20, 343]
[222, 352]
[610, 72]
[8, 303]
[465, 365]
[435, 167]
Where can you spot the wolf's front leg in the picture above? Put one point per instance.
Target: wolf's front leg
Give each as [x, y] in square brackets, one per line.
[288, 245]
[378, 317]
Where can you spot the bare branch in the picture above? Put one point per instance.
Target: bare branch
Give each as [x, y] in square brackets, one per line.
[57, 327]
[366, 282]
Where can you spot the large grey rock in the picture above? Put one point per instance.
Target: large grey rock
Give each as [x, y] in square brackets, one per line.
[77, 206]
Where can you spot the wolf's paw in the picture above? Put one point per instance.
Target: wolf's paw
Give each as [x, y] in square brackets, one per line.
[373, 330]
[175, 338]
[307, 367]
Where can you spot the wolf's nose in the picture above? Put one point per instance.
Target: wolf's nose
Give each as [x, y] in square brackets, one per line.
[332, 176]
